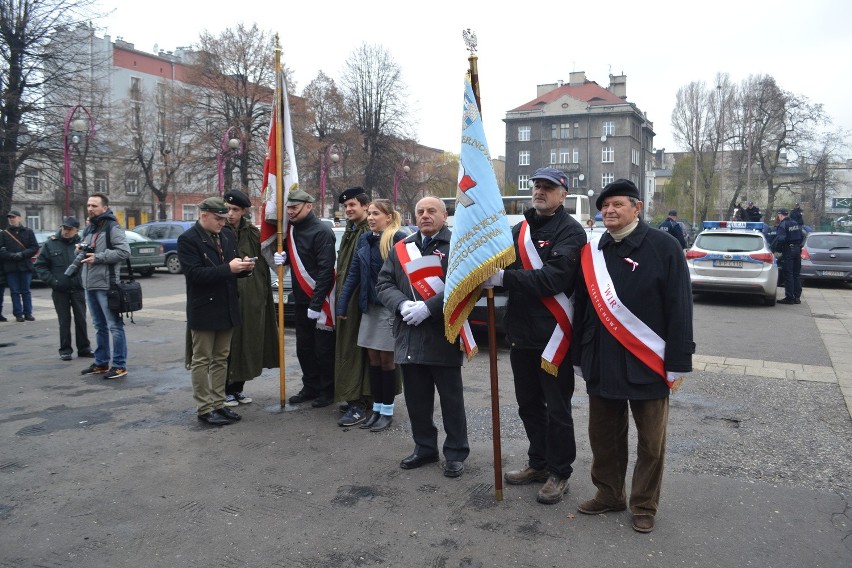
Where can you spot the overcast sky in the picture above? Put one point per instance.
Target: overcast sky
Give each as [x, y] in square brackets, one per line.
[659, 45]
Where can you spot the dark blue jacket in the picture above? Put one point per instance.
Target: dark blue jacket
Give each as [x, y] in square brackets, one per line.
[789, 233]
[364, 272]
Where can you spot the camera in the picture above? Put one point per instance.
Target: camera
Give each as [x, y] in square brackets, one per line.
[81, 256]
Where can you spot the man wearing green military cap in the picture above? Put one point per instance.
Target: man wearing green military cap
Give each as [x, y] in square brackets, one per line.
[211, 265]
[311, 256]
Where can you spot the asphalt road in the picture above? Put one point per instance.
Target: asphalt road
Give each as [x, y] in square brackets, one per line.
[120, 474]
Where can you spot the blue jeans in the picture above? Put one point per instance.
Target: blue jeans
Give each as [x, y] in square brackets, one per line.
[107, 322]
[22, 299]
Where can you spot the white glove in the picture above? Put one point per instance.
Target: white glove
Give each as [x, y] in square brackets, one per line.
[280, 258]
[313, 315]
[417, 314]
[578, 371]
[495, 280]
[405, 307]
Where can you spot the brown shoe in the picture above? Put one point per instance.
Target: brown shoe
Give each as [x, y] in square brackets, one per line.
[553, 490]
[526, 475]
[595, 507]
[643, 523]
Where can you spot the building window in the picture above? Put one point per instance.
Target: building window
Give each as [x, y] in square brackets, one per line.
[161, 94]
[524, 158]
[33, 219]
[101, 182]
[135, 88]
[131, 185]
[523, 183]
[608, 128]
[135, 116]
[576, 130]
[607, 154]
[606, 179]
[523, 134]
[565, 131]
[575, 181]
[564, 154]
[189, 213]
[575, 156]
[32, 180]
[634, 156]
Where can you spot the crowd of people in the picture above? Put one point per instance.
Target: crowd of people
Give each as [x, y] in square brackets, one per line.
[368, 326]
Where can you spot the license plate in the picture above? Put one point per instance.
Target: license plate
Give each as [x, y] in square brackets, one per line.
[728, 263]
[146, 251]
[833, 273]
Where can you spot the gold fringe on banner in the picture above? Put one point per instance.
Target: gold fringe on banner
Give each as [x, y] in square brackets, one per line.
[467, 291]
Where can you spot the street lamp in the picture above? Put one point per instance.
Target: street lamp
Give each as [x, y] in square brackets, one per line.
[74, 132]
[331, 156]
[230, 146]
[398, 176]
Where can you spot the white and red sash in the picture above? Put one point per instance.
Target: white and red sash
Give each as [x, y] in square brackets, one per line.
[308, 284]
[560, 307]
[631, 332]
[424, 274]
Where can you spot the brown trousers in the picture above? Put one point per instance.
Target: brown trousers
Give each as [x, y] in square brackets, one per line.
[608, 425]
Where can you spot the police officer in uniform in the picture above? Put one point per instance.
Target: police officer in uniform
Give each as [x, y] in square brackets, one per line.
[788, 241]
[672, 227]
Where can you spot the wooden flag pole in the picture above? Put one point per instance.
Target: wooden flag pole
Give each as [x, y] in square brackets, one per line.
[279, 205]
[470, 40]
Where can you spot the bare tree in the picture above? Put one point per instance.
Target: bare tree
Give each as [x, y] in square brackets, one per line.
[32, 64]
[158, 135]
[236, 72]
[375, 94]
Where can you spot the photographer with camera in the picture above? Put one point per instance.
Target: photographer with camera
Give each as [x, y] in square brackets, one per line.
[58, 266]
[105, 237]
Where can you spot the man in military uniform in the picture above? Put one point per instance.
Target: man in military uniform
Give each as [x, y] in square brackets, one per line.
[254, 344]
[351, 372]
[672, 227]
[788, 241]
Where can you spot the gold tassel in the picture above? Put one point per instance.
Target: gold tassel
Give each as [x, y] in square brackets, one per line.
[549, 367]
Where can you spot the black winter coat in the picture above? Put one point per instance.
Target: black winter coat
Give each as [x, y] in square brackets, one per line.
[659, 293]
[212, 301]
[55, 257]
[424, 344]
[315, 243]
[364, 273]
[10, 248]
[558, 240]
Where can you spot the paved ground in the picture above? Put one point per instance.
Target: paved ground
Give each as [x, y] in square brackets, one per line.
[120, 474]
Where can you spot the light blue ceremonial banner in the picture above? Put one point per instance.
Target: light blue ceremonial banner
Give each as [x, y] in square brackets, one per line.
[482, 239]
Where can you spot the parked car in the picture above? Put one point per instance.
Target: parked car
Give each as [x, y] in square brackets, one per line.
[146, 255]
[167, 233]
[732, 259]
[827, 256]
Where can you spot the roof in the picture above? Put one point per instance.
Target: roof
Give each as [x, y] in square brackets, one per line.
[589, 92]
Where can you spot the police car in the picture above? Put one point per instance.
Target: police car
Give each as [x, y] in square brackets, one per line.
[733, 257]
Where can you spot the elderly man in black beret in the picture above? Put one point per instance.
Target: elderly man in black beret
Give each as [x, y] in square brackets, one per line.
[211, 266]
[633, 344]
[17, 247]
[254, 344]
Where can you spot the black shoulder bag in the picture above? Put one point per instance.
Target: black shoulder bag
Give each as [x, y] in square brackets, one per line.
[124, 296]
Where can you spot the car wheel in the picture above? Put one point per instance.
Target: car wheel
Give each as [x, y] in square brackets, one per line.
[173, 264]
[769, 300]
[147, 271]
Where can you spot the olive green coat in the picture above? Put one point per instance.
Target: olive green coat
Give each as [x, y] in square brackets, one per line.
[254, 345]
